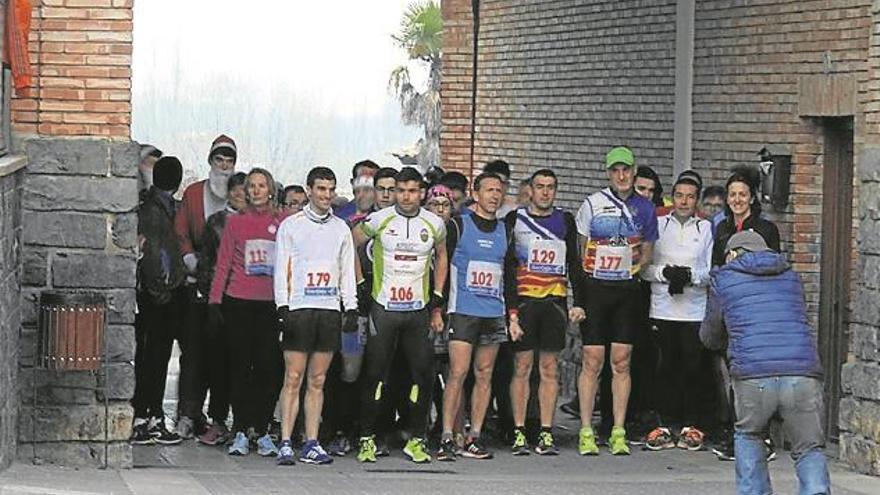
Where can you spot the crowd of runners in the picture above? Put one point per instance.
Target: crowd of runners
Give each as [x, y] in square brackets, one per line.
[431, 309]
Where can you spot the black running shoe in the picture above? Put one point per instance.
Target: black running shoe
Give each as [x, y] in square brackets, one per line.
[140, 435]
[446, 452]
[724, 450]
[475, 449]
[771, 449]
[162, 436]
[520, 445]
[546, 444]
[572, 408]
[382, 449]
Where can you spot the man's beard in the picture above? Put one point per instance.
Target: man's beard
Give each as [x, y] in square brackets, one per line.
[218, 182]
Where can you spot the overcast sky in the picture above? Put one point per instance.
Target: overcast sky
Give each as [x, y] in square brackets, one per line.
[312, 75]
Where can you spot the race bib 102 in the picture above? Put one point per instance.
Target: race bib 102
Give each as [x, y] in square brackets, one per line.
[484, 278]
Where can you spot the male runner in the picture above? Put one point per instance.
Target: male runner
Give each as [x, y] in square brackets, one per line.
[545, 240]
[406, 238]
[477, 244]
[617, 229]
[314, 273]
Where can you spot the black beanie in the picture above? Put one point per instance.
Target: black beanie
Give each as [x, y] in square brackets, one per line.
[167, 173]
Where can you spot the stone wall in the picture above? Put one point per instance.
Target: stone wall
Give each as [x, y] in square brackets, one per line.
[860, 408]
[11, 182]
[79, 235]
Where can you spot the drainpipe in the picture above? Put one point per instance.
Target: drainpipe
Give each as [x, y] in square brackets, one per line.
[682, 147]
[475, 11]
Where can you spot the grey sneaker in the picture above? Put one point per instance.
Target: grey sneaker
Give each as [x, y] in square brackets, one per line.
[339, 446]
[240, 445]
[266, 447]
[185, 428]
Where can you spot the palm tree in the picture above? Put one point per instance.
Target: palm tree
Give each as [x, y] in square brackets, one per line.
[421, 35]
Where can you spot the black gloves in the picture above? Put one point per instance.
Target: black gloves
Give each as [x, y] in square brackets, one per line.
[281, 316]
[350, 321]
[215, 316]
[678, 277]
[364, 298]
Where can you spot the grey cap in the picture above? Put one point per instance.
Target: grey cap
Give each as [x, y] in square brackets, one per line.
[748, 240]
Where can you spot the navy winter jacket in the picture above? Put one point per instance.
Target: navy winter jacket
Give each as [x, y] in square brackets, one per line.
[759, 299]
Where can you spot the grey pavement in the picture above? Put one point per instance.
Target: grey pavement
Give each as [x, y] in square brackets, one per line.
[191, 469]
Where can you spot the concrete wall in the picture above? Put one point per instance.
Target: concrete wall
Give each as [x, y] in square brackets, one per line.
[11, 182]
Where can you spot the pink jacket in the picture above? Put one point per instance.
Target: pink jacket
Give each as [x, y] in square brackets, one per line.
[246, 258]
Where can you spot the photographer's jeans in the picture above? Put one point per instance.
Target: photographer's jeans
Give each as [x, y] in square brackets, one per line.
[798, 400]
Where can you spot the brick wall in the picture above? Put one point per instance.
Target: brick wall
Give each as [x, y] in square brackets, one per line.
[562, 82]
[748, 60]
[456, 85]
[81, 53]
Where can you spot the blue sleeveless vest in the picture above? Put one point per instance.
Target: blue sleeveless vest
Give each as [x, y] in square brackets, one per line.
[476, 271]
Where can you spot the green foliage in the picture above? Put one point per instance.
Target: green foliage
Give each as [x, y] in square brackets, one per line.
[421, 30]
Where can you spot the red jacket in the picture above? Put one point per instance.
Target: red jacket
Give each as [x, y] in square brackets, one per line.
[189, 223]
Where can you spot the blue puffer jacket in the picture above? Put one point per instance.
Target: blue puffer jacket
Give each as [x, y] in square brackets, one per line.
[762, 302]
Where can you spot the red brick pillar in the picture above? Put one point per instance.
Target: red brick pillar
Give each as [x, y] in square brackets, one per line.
[457, 85]
[81, 54]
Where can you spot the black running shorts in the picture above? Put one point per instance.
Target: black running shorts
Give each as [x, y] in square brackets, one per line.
[544, 322]
[312, 330]
[612, 312]
[476, 330]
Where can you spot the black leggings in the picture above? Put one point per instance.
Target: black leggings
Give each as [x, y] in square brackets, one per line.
[340, 402]
[682, 372]
[255, 362]
[411, 331]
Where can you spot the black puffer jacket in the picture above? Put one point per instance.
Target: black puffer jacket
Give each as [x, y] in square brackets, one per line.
[160, 268]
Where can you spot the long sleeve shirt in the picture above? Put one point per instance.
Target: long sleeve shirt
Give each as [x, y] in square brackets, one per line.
[690, 245]
[246, 257]
[314, 263]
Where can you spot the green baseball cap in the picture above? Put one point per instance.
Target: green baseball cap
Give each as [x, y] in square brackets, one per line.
[620, 154]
